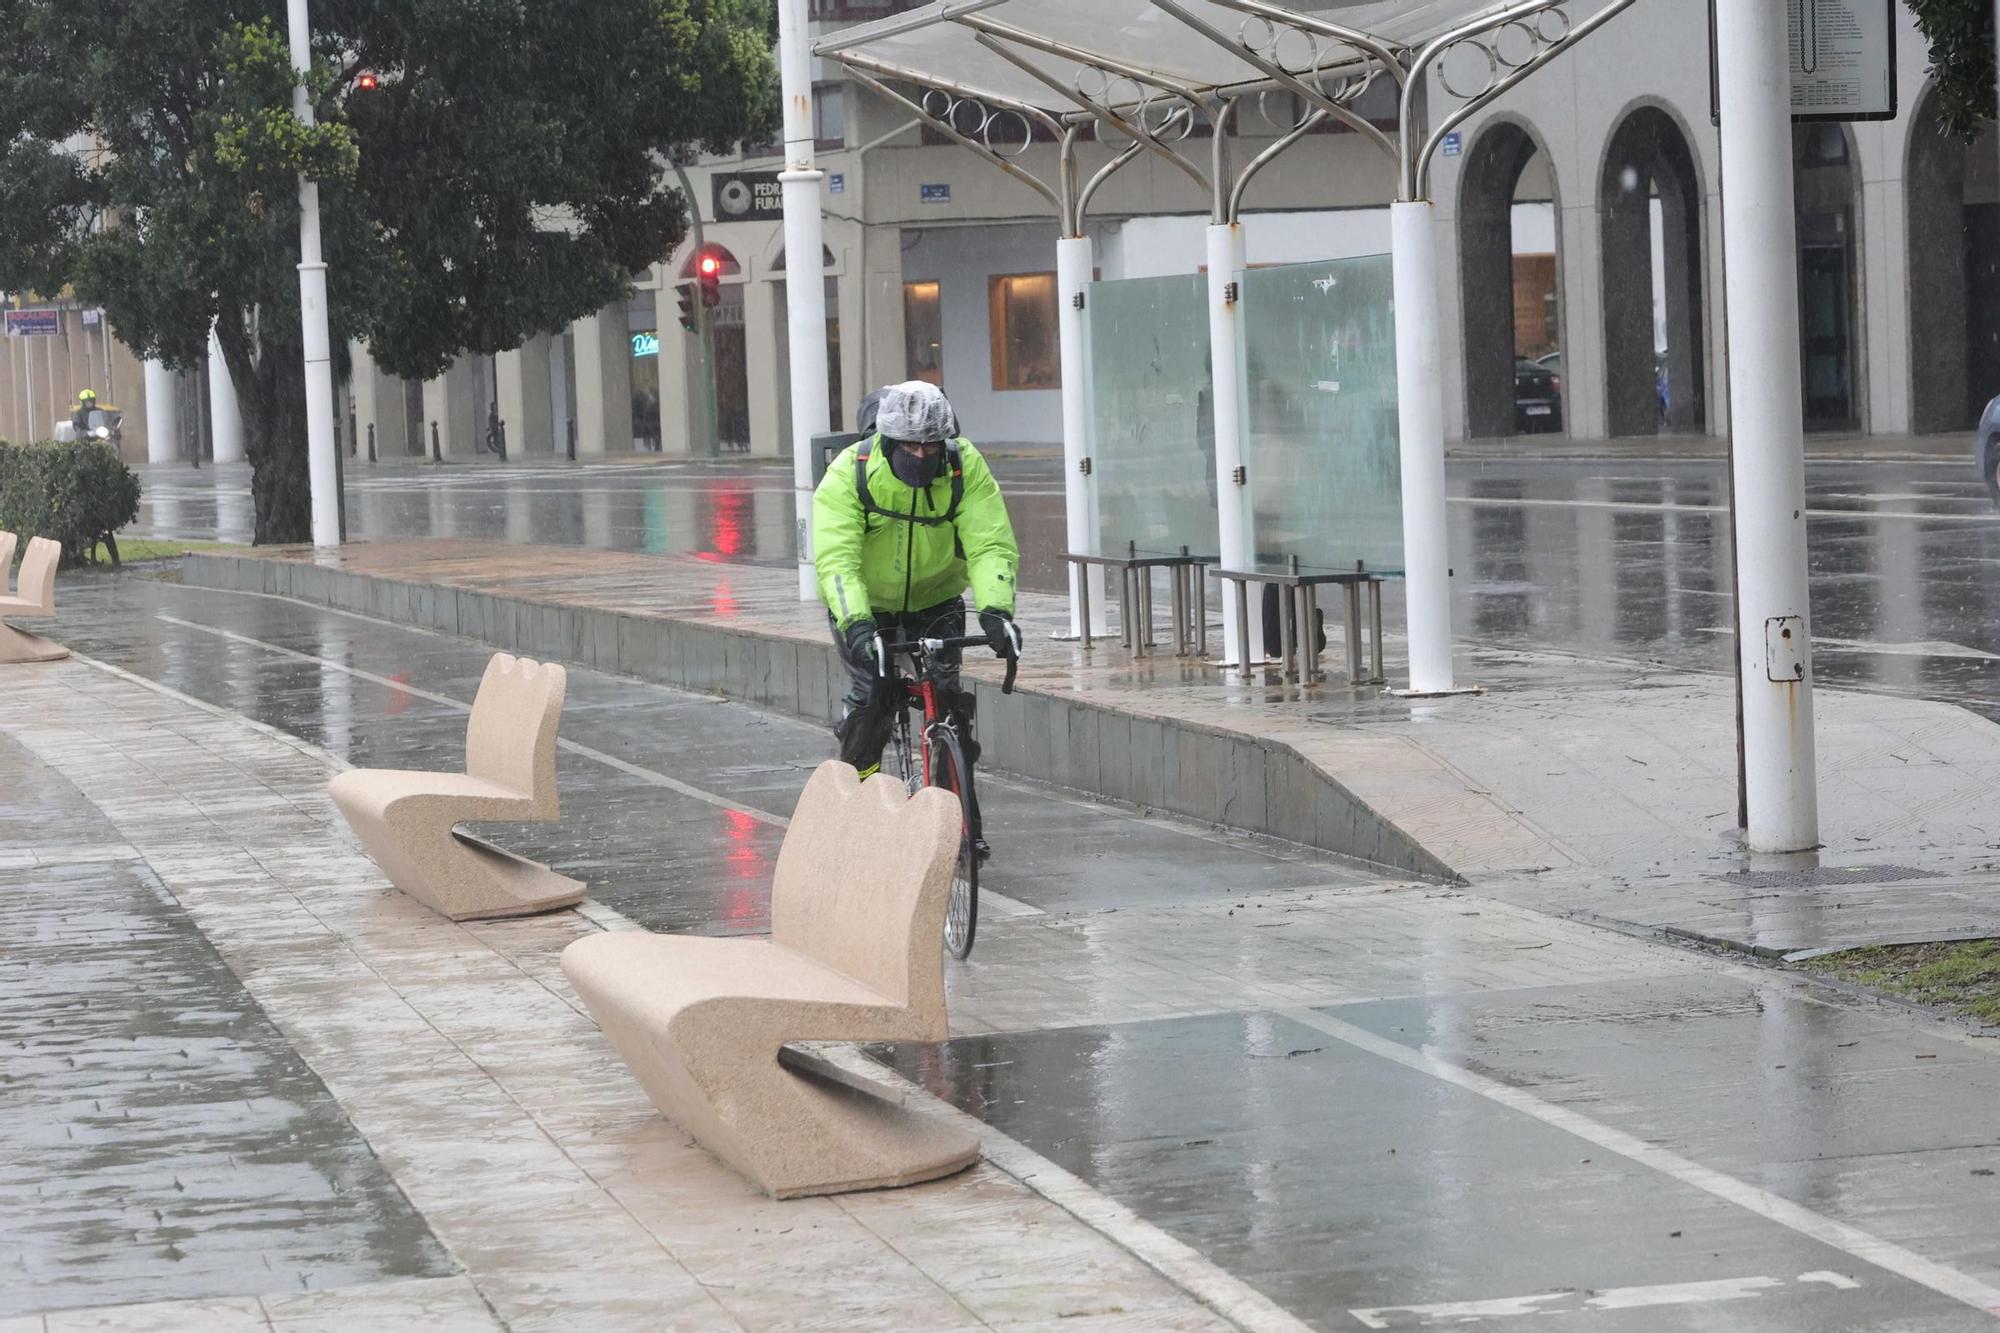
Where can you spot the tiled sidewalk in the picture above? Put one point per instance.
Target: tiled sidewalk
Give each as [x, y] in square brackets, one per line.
[460, 1055]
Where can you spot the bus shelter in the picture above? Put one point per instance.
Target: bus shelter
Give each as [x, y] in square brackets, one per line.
[1169, 78]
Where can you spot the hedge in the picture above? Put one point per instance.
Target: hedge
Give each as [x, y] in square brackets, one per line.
[80, 494]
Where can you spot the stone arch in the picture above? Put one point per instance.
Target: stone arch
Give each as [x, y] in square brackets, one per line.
[1505, 164]
[1826, 189]
[1952, 198]
[1650, 215]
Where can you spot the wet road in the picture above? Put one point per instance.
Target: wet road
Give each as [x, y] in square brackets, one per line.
[673, 803]
[1619, 559]
[1680, 1147]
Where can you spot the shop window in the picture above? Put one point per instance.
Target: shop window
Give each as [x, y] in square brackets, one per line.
[923, 332]
[1022, 308]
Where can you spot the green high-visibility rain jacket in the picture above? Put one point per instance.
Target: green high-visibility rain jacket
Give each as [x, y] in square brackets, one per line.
[890, 558]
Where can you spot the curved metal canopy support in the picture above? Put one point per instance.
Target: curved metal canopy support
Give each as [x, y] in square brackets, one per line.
[1104, 173]
[1131, 127]
[1269, 155]
[1357, 79]
[1419, 144]
[865, 70]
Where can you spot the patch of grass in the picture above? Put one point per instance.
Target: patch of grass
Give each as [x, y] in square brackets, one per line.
[132, 550]
[1964, 976]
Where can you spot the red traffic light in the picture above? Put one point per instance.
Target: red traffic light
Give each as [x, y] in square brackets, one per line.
[710, 265]
[366, 82]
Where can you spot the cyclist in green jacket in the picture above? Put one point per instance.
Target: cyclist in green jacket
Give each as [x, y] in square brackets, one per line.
[903, 524]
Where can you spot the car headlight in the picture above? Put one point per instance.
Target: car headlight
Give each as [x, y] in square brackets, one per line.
[101, 433]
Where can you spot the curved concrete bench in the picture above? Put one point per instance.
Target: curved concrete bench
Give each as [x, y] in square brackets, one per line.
[35, 598]
[405, 818]
[857, 919]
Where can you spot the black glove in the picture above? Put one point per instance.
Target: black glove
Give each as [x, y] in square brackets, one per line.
[1002, 634]
[864, 644]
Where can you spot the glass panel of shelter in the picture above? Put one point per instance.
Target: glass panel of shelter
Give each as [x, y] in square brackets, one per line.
[1152, 417]
[1319, 408]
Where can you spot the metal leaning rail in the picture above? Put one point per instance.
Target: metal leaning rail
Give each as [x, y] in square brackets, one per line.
[1187, 589]
[1299, 621]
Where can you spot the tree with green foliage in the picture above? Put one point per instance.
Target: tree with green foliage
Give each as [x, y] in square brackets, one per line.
[1960, 33]
[502, 177]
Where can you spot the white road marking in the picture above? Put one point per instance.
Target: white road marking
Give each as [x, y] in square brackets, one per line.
[1576, 1302]
[1674, 507]
[1179, 1263]
[1923, 648]
[998, 903]
[1850, 1240]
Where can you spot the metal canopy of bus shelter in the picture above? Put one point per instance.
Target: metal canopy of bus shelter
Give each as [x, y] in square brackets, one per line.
[1142, 76]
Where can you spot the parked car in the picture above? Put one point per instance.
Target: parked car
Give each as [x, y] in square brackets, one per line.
[1537, 396]
[1986, 449]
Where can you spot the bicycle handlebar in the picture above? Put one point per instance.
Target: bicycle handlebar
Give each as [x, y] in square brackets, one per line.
[929, 646]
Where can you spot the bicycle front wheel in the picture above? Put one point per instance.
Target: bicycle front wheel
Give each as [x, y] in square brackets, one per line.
[961, 913]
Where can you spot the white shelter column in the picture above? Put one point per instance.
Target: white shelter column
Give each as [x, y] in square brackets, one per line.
[1074, 265]
[1420, 429]
[1767, 456]
[1233, 523]
[224, 414]
[163, 414]
[805, 298]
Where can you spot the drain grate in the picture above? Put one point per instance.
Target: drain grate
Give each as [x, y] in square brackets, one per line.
[1821, 877]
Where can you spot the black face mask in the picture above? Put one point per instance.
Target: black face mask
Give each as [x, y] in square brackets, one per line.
[914, 468]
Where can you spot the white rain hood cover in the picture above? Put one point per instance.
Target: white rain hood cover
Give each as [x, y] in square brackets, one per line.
[931, 42]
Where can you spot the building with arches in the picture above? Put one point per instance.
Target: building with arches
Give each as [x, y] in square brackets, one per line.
[1579, 226]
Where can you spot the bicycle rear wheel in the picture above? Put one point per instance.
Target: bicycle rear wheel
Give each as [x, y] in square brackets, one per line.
[961, 913]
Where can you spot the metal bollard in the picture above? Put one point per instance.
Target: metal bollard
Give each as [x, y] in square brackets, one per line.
[371, 441]
[571, 428]
[501, 441]
[437, 450]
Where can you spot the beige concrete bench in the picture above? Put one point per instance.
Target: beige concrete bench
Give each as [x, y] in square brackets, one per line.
[406, 818]
[35, 598]
[855, 954]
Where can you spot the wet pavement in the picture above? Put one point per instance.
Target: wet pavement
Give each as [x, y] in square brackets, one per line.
[1501, 1159]
[1348, 1102]
[163, 1139]
[376, 695]
[1621, 557]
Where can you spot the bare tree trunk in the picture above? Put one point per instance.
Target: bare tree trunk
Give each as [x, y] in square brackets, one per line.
[271, 389]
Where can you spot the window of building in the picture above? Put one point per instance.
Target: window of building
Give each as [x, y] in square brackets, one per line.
[829, 115]
[923, 332]
[1022, 310]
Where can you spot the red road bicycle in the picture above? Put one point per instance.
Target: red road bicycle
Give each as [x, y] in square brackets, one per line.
[937, 759]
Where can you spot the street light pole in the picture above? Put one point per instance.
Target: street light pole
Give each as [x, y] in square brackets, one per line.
[704, 327]
[1767, 428]
[805, 286]
[321, 463]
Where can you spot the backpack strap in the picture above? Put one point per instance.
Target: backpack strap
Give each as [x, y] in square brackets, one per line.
[868, 506]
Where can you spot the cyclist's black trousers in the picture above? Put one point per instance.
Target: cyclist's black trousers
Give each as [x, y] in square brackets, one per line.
[868, 713]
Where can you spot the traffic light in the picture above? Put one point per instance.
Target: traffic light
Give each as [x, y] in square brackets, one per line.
[366, 82]
[687, 306]
[708, 273]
